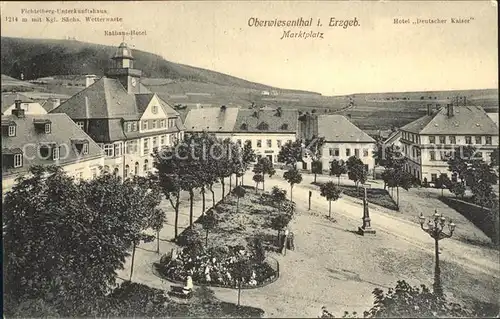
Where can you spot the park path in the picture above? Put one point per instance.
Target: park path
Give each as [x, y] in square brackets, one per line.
[476, 258]
[331, 267]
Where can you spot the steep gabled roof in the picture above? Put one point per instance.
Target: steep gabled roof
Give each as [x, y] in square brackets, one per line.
[211, 119]
[63, 132]
[337, 128]
[465, 120]
[271, 120]
[8, 99]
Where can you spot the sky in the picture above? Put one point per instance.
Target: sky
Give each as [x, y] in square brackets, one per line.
[376, 56]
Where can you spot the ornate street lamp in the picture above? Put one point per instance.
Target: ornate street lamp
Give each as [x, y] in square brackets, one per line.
[366, 228]
[435, 228]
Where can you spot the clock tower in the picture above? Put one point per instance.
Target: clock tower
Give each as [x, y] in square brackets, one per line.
[122, 69]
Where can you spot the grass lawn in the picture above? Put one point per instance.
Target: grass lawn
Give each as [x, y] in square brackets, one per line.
[376, 196]
[253, 219]
[138, 300]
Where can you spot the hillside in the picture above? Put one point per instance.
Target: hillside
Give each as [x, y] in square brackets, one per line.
[38, 58]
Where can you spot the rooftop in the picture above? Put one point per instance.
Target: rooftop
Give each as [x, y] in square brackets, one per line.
[63, 133]
[337, 128]
[465, 120]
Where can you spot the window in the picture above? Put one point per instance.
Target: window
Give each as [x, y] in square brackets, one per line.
[146, 146]
[80, 124]
[432, 154]
[452, 139]
[432, 139]
[85, 149]
[47, 128]
[162, 140]
[118, 149]
[108, 150]
[162, 123]
[154, 109]
[93, 171]
[154, 124]
[468, 140]
[365, 152]
[249, 142]
[12, 130]
[278, 143]
[145, 166]
[269, 143]
[166, 139]
[488, 140]
[144, 125]
[284, 127]
[434, 177]
[55, 153]
[442, 140]
[479, 140]
[18, 160]
[244, 127]
[136, 168]
[125, 173]
[356, 152]
[134, 126]
[347, 152]
[155, 142]
[259, 143]
[131, 147]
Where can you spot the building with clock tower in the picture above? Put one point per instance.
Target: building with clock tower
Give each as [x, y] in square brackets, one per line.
[124, 117]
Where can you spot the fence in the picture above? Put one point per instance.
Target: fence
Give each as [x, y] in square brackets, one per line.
[270, 261]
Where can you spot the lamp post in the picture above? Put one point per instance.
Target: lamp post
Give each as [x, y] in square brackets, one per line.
[435, 228]
[366, 228]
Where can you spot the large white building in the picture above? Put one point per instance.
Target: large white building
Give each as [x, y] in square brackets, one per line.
[429, 141]
[267, 129]
[124, 117]
[343, 139]
[46, 139]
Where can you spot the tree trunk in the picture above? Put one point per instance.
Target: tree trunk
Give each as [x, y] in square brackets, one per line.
[339, 180]
[239, 291]
[132, 266]
[230, 182]
[237, 205]
[213, 196]
[314, 178]
[191, 202]
[263, 181]
[236, 180]
[176, 227]
[329, 208]
[206, 239]
[397, 195]
[374, 171]
[223, 188]
[242, 182]
[158, 242]
[291, 190]
[203, 203]
[256, 187]
[442, 190]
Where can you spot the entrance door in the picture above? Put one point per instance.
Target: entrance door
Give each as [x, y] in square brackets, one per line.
[270, 158]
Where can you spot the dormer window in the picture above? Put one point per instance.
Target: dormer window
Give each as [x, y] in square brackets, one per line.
[284, 126]
[81, 146]
[80, 124]
[49, 151]
[244, 126]
[12, 158]
[263, 126]
[12, 130]
[43, 125]
[8, 128]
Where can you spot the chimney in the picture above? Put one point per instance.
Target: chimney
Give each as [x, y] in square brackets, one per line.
[18, 111]
[429, 112]
[450, 110]
[349, 116]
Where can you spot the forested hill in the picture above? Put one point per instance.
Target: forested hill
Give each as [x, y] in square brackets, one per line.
[43, 57]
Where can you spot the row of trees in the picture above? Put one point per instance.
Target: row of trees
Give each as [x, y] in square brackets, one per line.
[65, 239]
[197, 163]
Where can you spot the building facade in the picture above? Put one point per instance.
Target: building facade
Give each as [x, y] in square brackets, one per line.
[47, 139]
[429, 141]
[11, 101]
[124, 117]
[342, 140]
[266, 129]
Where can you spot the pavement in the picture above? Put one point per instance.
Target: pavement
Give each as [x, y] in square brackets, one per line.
[334, 267]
